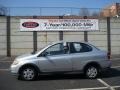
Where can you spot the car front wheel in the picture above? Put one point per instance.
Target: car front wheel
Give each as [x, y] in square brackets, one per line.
[28, 73]
[91, 72]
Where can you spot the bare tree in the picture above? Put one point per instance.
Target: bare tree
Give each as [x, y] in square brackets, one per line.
[84, 12]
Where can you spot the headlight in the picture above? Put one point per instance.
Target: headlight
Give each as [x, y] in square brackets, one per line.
[15, 62]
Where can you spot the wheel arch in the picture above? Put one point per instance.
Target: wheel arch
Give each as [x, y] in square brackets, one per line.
[29, 65]
[96, 64]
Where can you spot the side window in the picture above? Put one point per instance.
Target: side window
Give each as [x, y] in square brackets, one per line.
[85, 48]
[55, 49]
[79, 48]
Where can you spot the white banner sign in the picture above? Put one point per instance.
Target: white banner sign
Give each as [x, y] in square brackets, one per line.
[59, 25]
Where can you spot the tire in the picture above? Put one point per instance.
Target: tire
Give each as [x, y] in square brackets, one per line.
[91, 72]
[28, 73]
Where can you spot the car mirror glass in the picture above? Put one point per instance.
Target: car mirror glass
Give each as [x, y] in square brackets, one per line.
[65, 48]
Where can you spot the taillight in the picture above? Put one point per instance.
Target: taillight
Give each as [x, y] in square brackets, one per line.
[109, 55]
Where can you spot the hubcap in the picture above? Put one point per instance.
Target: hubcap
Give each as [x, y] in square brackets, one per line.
[28, 74]
[92, 72]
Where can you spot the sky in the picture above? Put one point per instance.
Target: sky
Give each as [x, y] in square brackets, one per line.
[55, 3]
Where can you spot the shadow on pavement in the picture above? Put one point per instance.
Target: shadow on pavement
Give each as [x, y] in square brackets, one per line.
[61, 77]
[107, 74]
[111, 73]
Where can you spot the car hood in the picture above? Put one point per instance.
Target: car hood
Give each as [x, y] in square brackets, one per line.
[25, 57]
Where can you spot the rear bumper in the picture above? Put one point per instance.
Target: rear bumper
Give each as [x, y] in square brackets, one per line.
[106, 64]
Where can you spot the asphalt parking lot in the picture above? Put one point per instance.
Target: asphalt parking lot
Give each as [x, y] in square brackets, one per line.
[109, 80]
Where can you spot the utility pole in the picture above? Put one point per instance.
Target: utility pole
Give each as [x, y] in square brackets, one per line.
[85, 32]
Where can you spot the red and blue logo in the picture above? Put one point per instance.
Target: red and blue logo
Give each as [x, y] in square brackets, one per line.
[30, 24]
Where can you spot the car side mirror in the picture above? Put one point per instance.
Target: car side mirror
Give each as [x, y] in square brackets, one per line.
[65, 48]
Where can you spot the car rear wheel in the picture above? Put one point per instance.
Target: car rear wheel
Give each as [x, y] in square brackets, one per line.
[28, 73]
[91, 72]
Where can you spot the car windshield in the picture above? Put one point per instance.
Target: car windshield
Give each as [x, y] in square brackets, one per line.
[34, 52]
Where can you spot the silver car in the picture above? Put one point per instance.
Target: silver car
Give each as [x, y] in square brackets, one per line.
[62, 57]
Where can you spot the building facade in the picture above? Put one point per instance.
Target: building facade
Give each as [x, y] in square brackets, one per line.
[111, 11]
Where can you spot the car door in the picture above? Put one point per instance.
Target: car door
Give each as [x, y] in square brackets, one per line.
[80, 53]
[55, 59]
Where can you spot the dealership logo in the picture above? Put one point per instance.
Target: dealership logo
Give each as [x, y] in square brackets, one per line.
[30, 24]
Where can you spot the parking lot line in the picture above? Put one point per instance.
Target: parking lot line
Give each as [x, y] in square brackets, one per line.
[95, 88]
[104, 83]
[115, 67]
[116, 86]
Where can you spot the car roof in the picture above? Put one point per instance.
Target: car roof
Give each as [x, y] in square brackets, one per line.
[70, 42]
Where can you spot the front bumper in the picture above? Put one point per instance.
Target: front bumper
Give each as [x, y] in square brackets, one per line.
[14, 69]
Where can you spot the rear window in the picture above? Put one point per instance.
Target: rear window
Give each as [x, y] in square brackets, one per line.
[95, 47]
[79, 47]
[85, 48]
